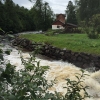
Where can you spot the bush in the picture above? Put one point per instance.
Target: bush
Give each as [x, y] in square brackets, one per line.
[92, 27]
[92, 33]
[74, 88]
[51, 32]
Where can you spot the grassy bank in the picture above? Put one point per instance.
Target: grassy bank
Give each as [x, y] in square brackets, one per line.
[74, 42]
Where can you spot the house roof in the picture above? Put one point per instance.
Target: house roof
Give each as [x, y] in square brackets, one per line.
[71, 25]
[58, 22]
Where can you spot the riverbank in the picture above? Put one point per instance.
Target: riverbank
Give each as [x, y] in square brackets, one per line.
[82, 60]
[73, 42]
[59, 71]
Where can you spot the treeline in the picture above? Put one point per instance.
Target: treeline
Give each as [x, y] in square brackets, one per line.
[17, 19]
[87, 8]
[82, 10]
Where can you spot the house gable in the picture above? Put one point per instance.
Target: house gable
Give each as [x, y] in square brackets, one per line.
[57, 22]
[57, 25]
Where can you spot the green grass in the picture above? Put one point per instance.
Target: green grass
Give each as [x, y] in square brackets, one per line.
[74, 42]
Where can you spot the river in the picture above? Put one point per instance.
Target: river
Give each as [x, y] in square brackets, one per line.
[59, 71]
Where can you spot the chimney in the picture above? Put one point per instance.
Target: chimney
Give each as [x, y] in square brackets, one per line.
[61, 17]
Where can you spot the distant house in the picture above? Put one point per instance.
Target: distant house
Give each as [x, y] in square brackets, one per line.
[59, 22]
[71, 27]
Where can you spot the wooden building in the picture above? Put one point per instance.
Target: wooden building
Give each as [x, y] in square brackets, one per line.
[59, 22]
[70, 27]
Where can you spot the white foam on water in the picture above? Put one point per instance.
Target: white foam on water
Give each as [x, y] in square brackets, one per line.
[59, 71]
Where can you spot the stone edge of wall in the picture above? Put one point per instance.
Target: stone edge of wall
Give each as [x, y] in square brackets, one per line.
[82, 60]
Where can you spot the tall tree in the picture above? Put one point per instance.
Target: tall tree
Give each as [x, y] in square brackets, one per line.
[71, 14]
[37, 14]
[15, 18]
[12, 22]
[48, 16]
[42, 14]
[87, 8]
[2, 14]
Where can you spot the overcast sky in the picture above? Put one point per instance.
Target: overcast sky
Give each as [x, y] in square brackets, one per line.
[58, 6]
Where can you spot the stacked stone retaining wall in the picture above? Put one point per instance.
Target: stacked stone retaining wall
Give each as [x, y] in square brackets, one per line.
[82, 60]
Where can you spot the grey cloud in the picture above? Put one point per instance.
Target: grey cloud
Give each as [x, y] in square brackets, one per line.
[58, 6]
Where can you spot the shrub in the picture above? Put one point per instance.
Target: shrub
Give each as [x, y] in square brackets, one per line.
[92, 33]
[74, 88]
[54, 32]
[92, 27]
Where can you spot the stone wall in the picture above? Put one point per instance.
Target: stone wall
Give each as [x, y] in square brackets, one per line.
[82, 60]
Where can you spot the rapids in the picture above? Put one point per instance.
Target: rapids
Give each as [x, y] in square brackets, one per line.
[59, 71]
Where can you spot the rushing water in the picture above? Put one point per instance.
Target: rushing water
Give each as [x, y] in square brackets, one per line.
[59, 71]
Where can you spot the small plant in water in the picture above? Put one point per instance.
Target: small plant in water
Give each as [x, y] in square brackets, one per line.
[74, 88]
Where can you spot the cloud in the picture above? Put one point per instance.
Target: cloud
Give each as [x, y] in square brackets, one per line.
[58, 6]
[26, 3]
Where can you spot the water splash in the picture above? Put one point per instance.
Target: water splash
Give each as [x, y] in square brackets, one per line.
[59, 71]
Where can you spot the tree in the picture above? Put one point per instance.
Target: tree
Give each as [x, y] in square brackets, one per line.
[2, 14]
[17, 19]
[71, 14]
[87, 8]
[93, 27]
[42, 14]
[48, 16]
[36, 12]
[12, 21]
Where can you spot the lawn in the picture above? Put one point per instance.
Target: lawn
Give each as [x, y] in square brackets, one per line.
[74, 42]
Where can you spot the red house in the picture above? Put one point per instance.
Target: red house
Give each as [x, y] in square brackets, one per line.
[59, 22]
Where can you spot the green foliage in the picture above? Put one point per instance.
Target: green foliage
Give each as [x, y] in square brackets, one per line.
[92, 33]
[92, 27]
[74, 88]
[87, 8]
[95, 22]
[20, 19]
[51, 32]
[42, 9]
[71, 14]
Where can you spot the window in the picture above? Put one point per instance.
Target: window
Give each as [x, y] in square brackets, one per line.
[58, 26]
